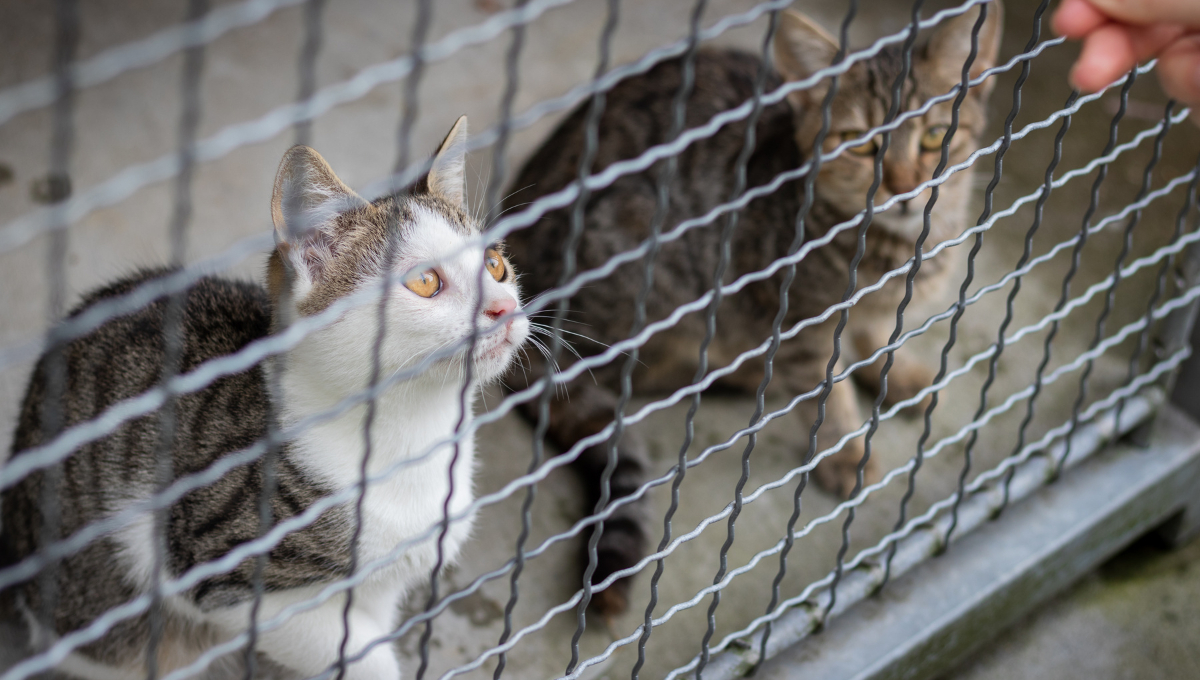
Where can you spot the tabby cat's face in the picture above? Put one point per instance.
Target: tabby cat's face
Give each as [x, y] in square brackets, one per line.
[862, 100]
[446, 285]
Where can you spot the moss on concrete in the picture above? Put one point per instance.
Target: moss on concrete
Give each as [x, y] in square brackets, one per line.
[1137, 617]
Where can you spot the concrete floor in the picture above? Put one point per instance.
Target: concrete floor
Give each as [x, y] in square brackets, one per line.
[133, 119]
[1135, 618]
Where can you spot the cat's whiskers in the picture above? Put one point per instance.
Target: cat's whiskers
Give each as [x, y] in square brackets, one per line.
[560, 389]
[546, 351]
[541, 347]
[500, 202]
[522, 356]
[509, 209]
[479, 196]
[549, 332]
[566, 313]
[483, 398]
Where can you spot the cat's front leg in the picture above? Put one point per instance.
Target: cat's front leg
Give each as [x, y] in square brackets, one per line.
[905, 378]
[586, 411]
[309, 642]
[802, 369]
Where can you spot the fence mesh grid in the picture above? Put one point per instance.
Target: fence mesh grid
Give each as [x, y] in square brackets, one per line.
[1120, 403]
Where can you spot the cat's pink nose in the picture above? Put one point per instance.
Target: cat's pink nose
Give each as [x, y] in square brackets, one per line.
[498, 308]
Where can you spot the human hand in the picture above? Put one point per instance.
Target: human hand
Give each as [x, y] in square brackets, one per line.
[1117, 34]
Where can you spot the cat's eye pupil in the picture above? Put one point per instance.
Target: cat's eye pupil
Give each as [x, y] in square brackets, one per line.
[933, 137]
[867, 148]
[426, 284]
[495, 264]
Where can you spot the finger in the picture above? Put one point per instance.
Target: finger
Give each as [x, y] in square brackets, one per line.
[1107, 54]
[1179, 72]
[1077, 18]
[1148, 41]
[1142, 12]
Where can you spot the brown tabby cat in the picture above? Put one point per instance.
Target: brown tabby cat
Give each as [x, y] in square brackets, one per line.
[618, 218]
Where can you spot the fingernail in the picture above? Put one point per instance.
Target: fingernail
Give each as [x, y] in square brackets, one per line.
[1073, 77]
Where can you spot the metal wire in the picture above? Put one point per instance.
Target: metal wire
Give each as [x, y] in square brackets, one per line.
[917, 523]
[127, 181]
[1075, 258]
[1090, 413]
[555, 341]
[93, 317]
[719, 276]
[662, 200]
[28, 567]
[827, 385]
[924, 519]
[587, 158]
[192, 36]
[313, 39]
[306, 69]
[97, 314]
[968, 451]
[1048, 185]
[1126, 246]
[940, 446]
[424, 17]
[57, 651]
[1160, 282]
[173, 341]
[877, 170]
[114, 61]
[58, 184]
[149, 401]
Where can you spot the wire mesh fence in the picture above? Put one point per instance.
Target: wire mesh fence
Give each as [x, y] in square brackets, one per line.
[1047, 337]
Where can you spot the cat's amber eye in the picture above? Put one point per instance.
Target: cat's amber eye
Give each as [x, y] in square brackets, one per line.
[867, 148]
[495, 264]
[933, 137]
[426, 284]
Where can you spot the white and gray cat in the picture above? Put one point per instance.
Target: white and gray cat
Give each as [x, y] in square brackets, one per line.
[330, 243]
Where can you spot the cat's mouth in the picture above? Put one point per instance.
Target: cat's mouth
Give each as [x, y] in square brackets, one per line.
[495, 349]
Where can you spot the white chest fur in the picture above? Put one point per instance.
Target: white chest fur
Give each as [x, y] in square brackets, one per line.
[412, 471]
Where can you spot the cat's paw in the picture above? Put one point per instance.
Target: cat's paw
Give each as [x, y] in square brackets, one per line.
[611, 602]
[621, 546]
[838, 474]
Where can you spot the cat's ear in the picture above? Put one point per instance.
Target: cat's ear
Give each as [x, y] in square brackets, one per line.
[305, 205]
[802, 48]
[950, 46]
[447, 173]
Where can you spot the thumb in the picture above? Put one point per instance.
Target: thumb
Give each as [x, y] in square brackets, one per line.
[1141, 12]
[1179, 71]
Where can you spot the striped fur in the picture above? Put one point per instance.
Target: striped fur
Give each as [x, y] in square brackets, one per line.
[617, 218]
[331, 244]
